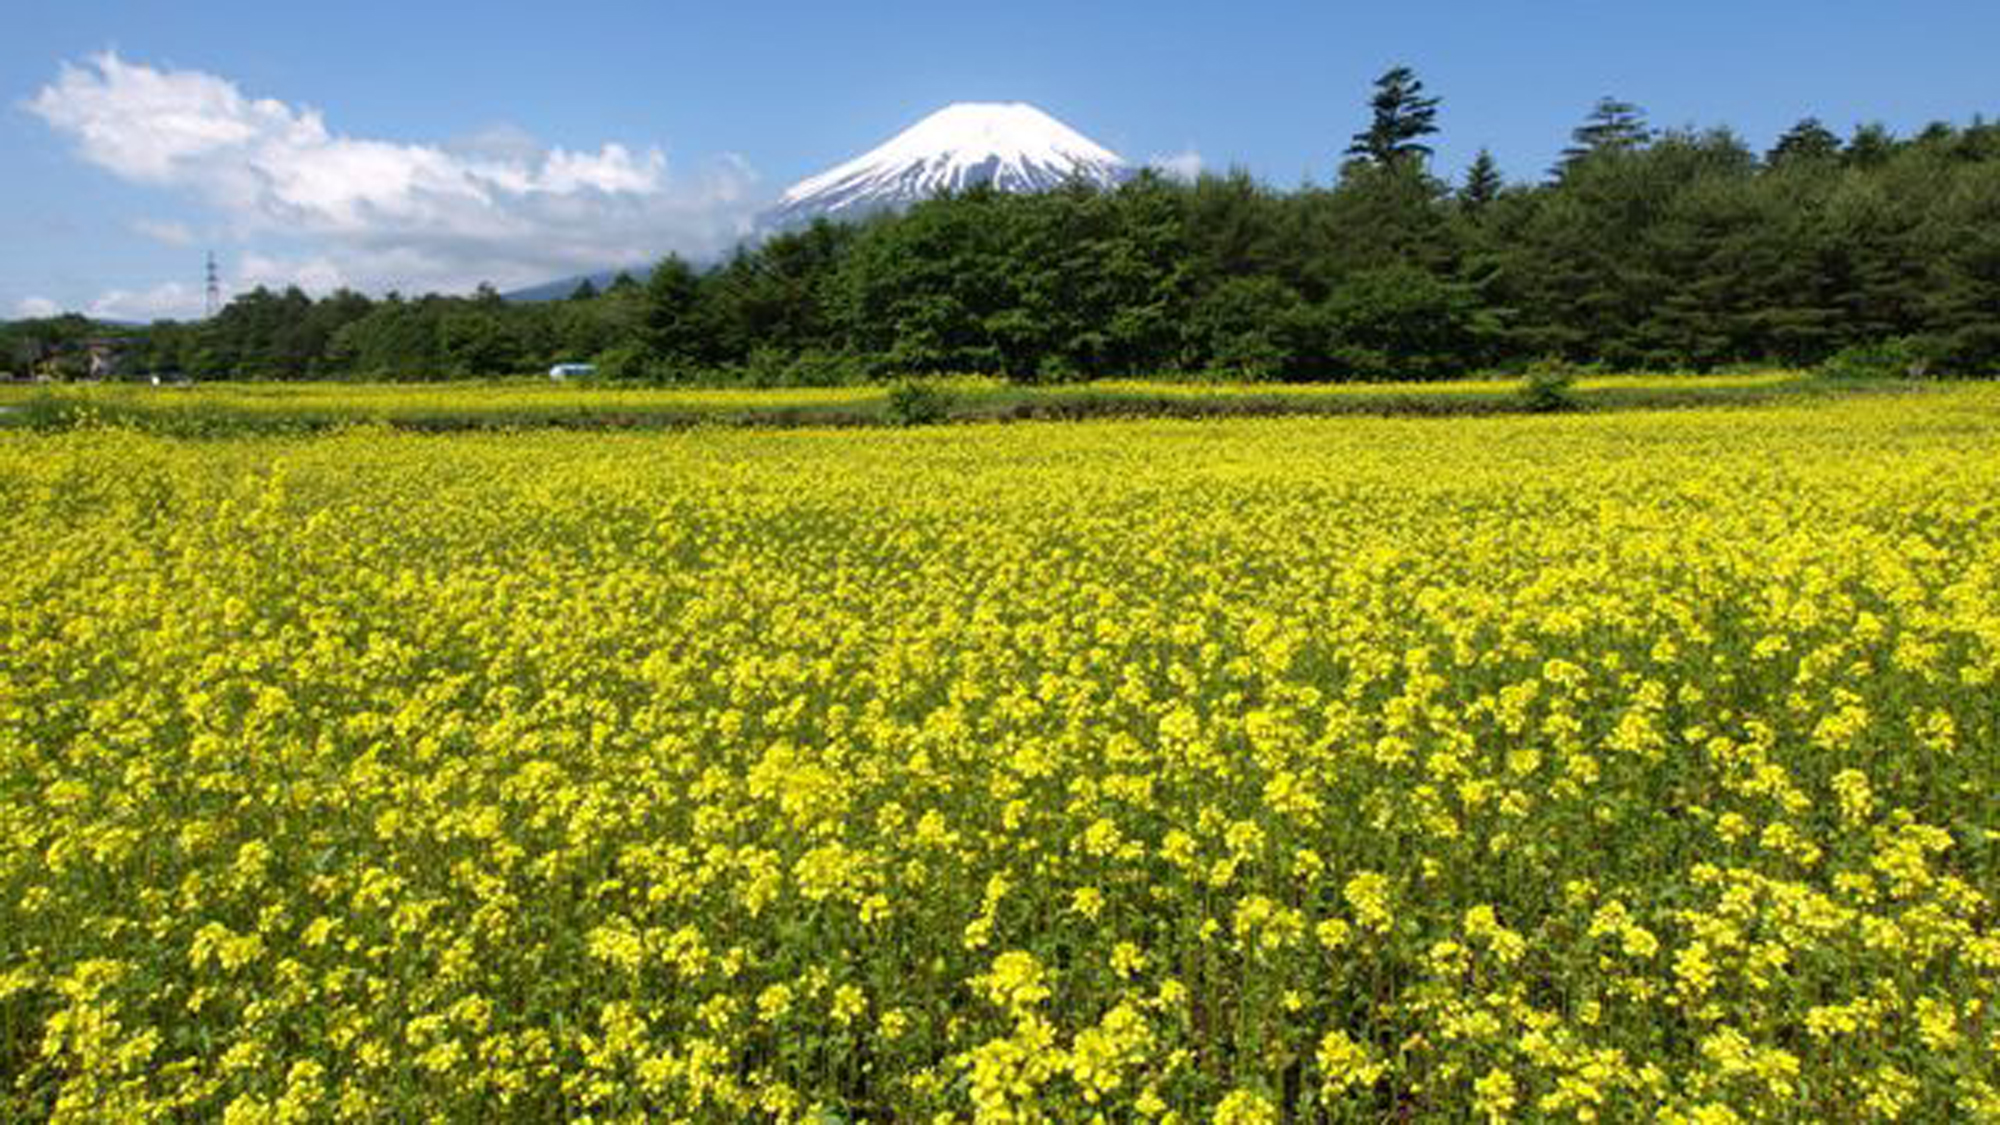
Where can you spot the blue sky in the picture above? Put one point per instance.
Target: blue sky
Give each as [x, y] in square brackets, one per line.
[432, 145]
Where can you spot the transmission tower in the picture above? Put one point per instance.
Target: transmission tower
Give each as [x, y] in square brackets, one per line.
[214, 286]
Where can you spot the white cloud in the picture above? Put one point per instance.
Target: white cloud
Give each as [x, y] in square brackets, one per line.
[1184, 165]
[169, 301]
[162, 230]
[315, 275]
[497, 207]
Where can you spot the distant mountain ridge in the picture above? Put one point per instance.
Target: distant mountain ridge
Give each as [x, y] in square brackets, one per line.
[564, 287]
[1011, 146]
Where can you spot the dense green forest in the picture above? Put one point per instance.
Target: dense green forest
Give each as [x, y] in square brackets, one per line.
[1641, 249]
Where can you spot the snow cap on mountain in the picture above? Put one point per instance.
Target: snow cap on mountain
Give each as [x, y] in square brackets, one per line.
[1012, 146]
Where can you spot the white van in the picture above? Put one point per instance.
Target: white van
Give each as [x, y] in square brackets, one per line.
[572, 370]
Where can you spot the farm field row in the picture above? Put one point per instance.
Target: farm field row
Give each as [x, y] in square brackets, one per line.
[225, 407]
[1624, 766]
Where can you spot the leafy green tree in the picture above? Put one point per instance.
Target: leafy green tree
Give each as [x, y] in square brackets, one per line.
[1958, 240]
[674, 328]
[479, 341]
[783, 294]
[1871, 146]
[1706, 247]
[1401, 322]
[1807, 140]
[1401, 116]
[1233, 227]
[397, 339]
[1784, 267]
[261, 335]
[938, 288]
[577, 330]
[1127, 277]
[1247, 328]
[1376, 216]
[625, 362]
[1979, 142]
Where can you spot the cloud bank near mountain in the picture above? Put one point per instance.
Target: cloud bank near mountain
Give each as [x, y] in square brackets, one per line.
[308, 203]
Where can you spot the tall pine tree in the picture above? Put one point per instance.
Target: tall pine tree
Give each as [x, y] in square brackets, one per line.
[1613, 126]
[1482, 183]
[1402, 115]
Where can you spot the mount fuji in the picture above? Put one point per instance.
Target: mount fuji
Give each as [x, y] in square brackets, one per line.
[1014, 147]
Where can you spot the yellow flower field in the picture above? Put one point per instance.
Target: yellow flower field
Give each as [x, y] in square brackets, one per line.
[1613, 767]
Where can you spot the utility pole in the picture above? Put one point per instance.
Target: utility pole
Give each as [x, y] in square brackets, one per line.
[214, 287]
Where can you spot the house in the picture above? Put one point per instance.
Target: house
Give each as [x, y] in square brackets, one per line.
[104, 356]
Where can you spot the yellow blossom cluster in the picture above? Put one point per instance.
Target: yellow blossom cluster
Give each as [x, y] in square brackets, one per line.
[1620, 767]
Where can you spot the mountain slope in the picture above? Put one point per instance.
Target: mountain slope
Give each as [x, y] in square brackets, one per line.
[1012, 146]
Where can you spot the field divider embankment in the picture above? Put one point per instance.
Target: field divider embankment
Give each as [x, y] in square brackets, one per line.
[247, 409]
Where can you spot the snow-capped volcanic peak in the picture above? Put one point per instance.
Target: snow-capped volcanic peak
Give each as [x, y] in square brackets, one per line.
[1014, 147]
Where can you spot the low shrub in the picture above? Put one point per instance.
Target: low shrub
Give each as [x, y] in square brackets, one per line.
[1547, 387]
[916, 402]
[1898, 358]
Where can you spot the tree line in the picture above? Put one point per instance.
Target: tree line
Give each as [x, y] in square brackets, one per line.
[1641, 249]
